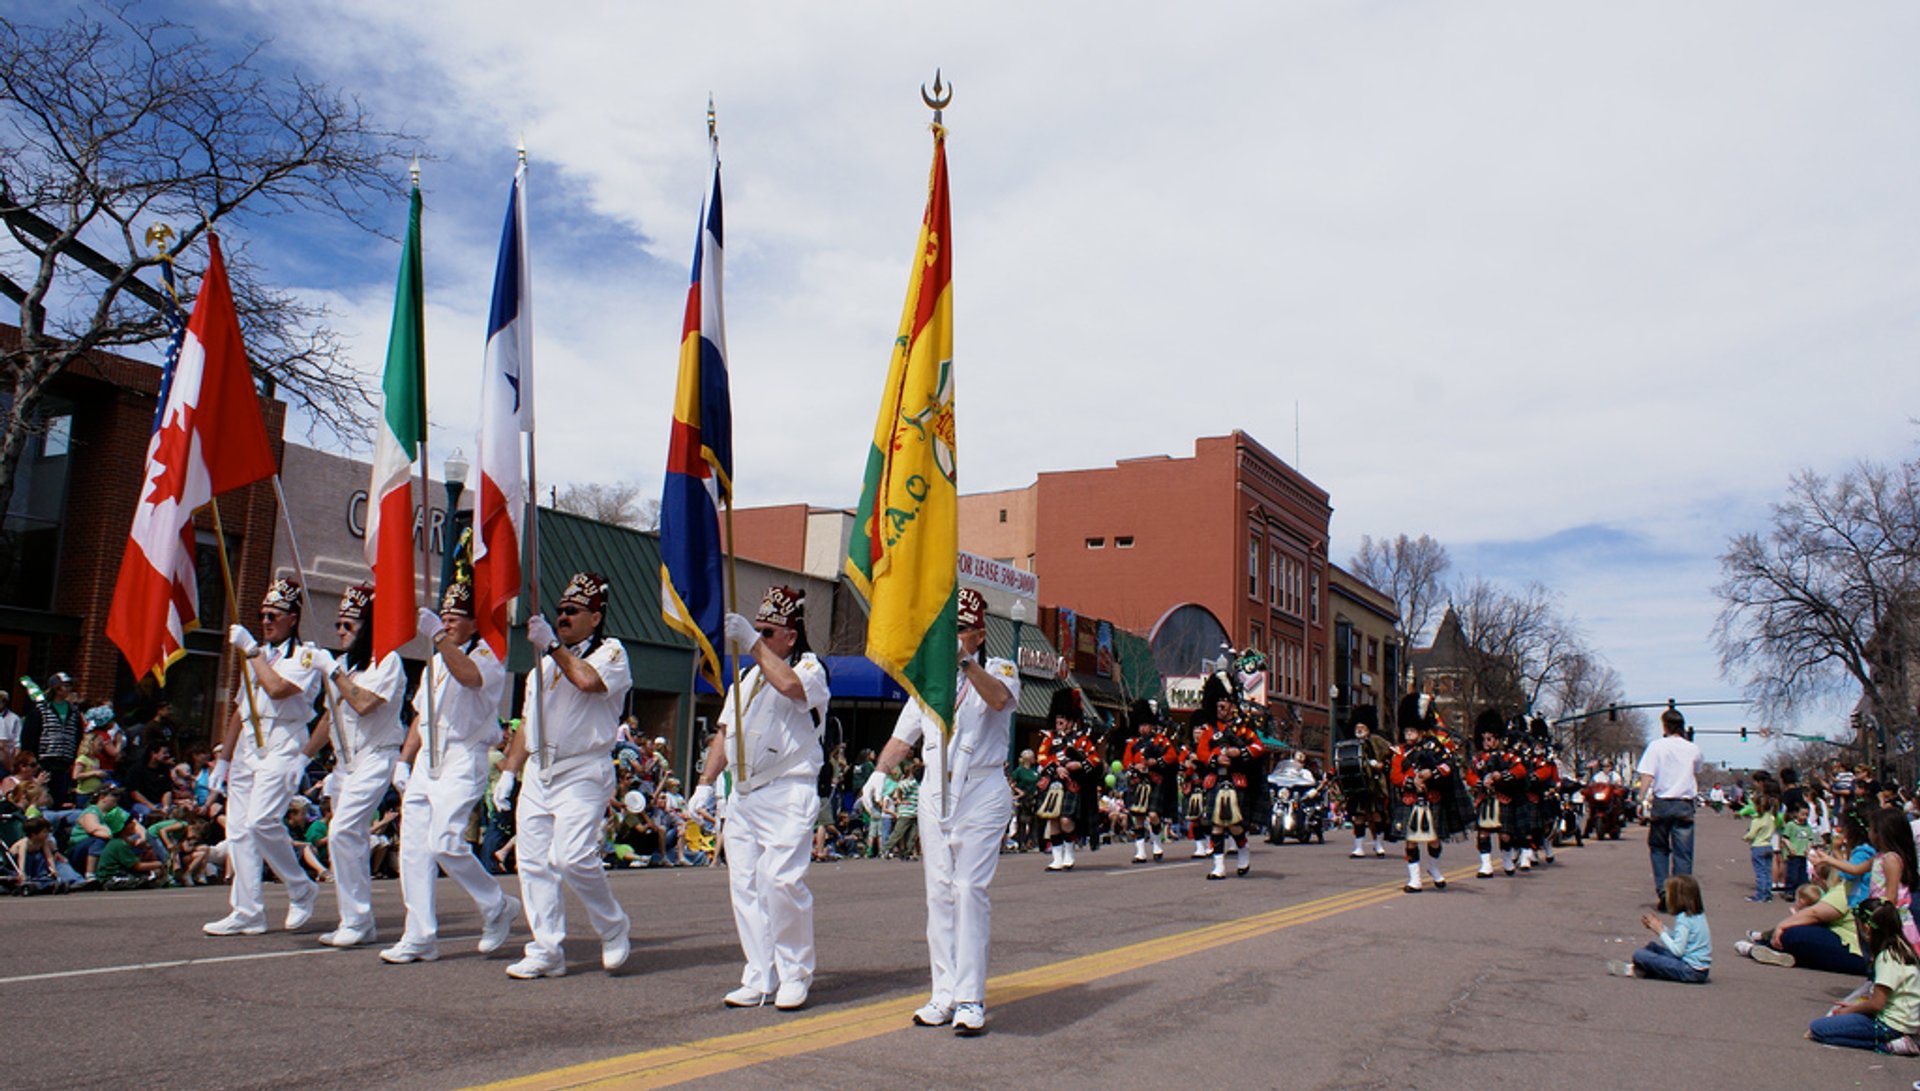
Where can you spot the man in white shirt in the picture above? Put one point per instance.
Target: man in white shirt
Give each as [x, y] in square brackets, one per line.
[450, 752]
[770, 815]
[267, 735]
[960, 842]
[574, 700]
[363, 722]
[9, 730]
[1667, 790]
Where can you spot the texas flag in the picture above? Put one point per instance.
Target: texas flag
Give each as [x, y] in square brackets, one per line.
[506, 413]
[210, 440]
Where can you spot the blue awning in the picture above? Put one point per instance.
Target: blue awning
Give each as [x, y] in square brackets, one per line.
[852, 677]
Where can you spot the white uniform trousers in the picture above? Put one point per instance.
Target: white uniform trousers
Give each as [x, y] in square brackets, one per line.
[960, 857]
[769, 839]
[558, 841]
[357, 795]
[433, 826]
[259, 788]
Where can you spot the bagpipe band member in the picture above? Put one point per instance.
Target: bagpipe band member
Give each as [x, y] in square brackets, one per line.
[1153, 780]
[572, 704]
[1365, 786]
[1545, 788]
[1066, 754]
[775, 800]
[467, 682]
[1426, 775]
[364, 724]
[1497, 777]
[1228, 753]
[961, 843]
[278, 686]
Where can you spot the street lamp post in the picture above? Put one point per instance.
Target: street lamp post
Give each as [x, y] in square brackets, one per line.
[455, 475]
[1019, 614]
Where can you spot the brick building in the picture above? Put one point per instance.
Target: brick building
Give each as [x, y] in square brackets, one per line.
[1365, 659]
[1232, 529]
[66, 532]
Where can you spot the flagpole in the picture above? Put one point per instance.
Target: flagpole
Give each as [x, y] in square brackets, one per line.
[343, 751]
[937, 102]
[539, 741]
[436, 744]
[233, 618]
[733, 584]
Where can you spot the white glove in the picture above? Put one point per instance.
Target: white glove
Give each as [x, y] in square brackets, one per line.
[741, 634]
[539, 634]
[700, 800]
[503, 792]
[239, 637]
[430, 624]
[217, 780]
[402, 772]
[322, 660]
[873, 792]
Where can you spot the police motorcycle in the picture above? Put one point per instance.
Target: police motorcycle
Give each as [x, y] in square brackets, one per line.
[1299, 804]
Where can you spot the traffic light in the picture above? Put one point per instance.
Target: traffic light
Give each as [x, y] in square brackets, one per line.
[1613, 714]
[1743, 732]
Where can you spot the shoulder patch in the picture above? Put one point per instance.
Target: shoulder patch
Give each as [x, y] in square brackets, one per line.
[1003, 668]
[306, 657]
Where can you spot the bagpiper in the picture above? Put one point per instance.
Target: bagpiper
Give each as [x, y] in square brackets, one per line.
[1065, 757]
[1228, 755]
[1425, 775]
[1153, 780]
[1499, 779]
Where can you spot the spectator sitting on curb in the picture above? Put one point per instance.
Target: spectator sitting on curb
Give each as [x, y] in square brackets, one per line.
[120, 865]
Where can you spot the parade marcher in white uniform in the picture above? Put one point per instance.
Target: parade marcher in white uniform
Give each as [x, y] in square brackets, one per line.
[265, 771]
[438, 792]
[566, 747]
[363, 722]
[770, 814]
[960, 843]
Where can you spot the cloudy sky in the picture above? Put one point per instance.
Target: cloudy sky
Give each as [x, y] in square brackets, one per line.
[1572, 287]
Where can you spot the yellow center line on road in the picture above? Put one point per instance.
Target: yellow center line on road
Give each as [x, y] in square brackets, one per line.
[665, 1066]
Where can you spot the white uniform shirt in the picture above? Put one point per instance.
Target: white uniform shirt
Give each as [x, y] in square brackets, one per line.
[578, 725]
[10, 728]
[468, 717]
[981, 736]
[380, 728]
[782, 735]
[283, 722]
[1672, 761]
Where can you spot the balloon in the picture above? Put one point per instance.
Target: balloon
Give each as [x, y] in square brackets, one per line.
[1112, 780]
[1117, 767]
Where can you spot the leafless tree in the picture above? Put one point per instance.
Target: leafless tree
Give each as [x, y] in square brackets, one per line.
[1517, 646]
[111, 126]
[621, 504]
[1585, 698]
[1409, 570]
[1828, 598]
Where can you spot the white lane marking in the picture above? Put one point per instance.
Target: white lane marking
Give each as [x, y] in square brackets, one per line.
[1149, 869]
[172, 963]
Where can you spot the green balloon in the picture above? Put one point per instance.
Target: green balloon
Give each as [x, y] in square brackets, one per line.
[1117, 767]
[1112, 780]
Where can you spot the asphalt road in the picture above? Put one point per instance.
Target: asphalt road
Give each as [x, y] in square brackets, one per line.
[1311, 972]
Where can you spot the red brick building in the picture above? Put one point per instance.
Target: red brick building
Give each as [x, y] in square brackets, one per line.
[67, 531]
[1233, 529]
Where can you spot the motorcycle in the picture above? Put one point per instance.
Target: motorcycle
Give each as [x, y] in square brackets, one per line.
[1573, 806]
[1299, 805]
[1607, 810]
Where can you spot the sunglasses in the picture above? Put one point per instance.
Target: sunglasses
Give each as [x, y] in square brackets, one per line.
[271, 615]
[570, 611]
[766, 632]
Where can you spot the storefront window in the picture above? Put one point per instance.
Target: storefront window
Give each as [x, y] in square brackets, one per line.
[30, 535]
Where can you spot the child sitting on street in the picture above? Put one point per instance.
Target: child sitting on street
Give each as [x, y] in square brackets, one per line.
[1884, 1018]
[121, 867]
[1681, 953]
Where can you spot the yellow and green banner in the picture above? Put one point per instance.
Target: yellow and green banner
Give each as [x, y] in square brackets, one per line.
[906, 537]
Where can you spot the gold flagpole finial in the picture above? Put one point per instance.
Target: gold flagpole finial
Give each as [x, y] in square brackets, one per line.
[160, 237]
[938, 98]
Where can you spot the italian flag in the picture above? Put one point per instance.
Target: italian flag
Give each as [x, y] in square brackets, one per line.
[402, 431]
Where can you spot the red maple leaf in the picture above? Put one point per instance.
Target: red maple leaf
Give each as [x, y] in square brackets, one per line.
[175, 448]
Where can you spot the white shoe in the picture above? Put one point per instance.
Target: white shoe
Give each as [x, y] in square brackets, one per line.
[1743, 947]
[1770, 957]
[614, 952]
[403, 952]
[1621, 969]
[1200, 851]
[969, 1020]
[529, 968]
[494, 931]
[792, 996]
[745, 997]
[299, 913]
[345, 937]
[933, 1014]
[232, 925]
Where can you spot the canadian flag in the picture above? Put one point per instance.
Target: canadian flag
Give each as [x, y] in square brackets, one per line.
[210, 439]
[506, 413]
